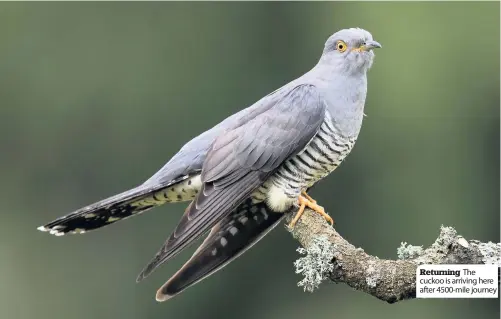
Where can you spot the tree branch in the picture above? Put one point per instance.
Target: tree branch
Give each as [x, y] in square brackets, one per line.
[330, 256]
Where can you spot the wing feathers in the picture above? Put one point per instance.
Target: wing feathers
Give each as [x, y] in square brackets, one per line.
[228, 239]
[242, 158]
[193, 224]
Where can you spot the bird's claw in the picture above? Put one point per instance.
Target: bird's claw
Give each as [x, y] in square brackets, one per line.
[307, 201]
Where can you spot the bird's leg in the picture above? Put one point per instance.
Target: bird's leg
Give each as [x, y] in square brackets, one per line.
[308, 197]
[299, 213]
[304, 202]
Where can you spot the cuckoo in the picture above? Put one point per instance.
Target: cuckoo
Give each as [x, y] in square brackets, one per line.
[244, 173]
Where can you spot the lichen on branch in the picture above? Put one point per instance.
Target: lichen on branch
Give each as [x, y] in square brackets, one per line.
[316, 265]
[330, 256]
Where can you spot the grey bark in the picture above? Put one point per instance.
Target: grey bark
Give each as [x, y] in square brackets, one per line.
[330, 256]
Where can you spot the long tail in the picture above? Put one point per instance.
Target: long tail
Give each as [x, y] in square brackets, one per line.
[227, 240]
[124, 205]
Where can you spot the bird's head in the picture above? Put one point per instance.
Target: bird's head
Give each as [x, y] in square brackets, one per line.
[350, 49]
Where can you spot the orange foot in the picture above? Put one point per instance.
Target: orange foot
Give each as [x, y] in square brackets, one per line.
[304, 200]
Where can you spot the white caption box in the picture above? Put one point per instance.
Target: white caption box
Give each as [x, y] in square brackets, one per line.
[457, 281]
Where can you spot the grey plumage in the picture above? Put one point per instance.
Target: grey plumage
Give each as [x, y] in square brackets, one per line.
[239, 162]
[255, 163]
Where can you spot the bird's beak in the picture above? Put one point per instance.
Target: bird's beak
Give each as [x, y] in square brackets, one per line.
[369, 45]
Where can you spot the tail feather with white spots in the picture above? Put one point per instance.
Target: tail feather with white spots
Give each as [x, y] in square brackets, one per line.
[125, 205]
[230, 238]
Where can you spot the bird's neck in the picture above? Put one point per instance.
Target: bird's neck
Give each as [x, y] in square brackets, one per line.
[345, 94]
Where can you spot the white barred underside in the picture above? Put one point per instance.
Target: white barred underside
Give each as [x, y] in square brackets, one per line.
[183, 191]
[321, 156]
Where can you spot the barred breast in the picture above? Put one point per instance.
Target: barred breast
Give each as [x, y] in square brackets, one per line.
[321, 156]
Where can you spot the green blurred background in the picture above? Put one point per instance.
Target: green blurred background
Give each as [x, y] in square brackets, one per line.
[95, 97]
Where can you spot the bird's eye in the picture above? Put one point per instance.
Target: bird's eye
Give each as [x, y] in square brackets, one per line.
[341, 46]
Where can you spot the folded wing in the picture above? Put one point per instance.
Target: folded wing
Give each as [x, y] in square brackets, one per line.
[242, 158]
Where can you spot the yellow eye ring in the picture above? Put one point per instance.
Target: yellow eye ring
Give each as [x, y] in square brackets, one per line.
[341, 46]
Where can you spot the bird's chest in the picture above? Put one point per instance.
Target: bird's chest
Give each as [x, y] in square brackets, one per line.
[323, 154]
